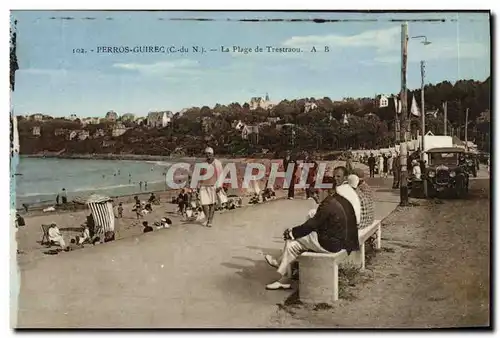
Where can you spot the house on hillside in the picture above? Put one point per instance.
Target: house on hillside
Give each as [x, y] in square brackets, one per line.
[273, 119]
[383, 101]
[111, 116]
[259, 102]
[250, 133]
[99, 133]
[238, 125]
[36, 117]
[72, 135]
[128, 117]
[72, 117]
[159, 119]
[83, 135]
[61, 132]
[108, 143]
[309, 106]
[36, 131]
[118, 130]
[90, 120]
[140, 121]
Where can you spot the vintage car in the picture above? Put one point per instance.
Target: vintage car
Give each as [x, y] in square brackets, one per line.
[445, 172]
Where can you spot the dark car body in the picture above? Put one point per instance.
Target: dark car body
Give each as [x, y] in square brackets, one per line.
[446, 171]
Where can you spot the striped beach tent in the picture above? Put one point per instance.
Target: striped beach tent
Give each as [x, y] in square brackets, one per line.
[101, 208]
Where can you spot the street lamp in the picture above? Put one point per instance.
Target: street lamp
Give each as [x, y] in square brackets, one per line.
[425, 42]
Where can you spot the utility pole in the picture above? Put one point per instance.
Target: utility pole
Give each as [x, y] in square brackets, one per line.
[422, 112]
[396, 120]
[404, 116]
[445, 108]
[466, 127]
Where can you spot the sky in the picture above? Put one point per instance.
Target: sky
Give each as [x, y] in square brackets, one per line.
[364, 58]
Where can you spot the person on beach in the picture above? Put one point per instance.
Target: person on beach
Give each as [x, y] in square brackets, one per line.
[210, 187]
[331, 229]
[396, 164]
[138, 207]
[291, 185]
[120, 210]
[55, 236]
[64, 196]
[386, 165]
[182, 201]
[371, 165]
[152, 198]
[147, 227]
[57, 199]
[381, 165]
[365, 194]
[311, 177]
[19, 221]
[389, 163]
[146, 185]
[85, 237]
[140, 185]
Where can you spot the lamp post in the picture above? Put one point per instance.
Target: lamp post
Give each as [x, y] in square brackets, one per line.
[425, 42]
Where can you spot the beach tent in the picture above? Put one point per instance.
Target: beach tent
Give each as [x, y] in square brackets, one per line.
[101, 208]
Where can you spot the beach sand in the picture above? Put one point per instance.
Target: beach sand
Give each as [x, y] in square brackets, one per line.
[69, 222]
[29, 236]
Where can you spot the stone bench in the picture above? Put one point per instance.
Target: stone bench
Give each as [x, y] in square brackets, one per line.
[319, 272]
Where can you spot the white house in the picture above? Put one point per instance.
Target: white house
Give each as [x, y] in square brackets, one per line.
[99, 133]
[310, 106]
[128, 117]
[83, 135]
[118, 130]
[383, 101]
[73, 134]
[72, 117]
[37, 117]
[90, 120]
[36, 131]
[159, 119]
[259, 102]
[111, 116]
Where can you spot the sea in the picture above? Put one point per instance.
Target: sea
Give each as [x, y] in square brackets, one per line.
[39, 180]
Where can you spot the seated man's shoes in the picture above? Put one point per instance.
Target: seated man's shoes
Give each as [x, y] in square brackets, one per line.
[283, 283]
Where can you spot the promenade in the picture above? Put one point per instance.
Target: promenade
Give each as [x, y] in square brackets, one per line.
[184, 277]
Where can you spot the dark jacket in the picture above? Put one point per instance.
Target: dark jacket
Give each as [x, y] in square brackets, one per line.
[371, 161]
[335, 224]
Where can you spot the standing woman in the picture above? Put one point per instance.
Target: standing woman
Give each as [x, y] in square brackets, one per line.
[386, 165]
[291, 185]
[381, 165]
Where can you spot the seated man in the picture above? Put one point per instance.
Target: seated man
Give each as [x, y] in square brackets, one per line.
[365, 195]
[85, 237]
[345, 190]
[55, 236]
[332, 229]
[20, 221]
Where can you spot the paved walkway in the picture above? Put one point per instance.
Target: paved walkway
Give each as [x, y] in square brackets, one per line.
[186, 276]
